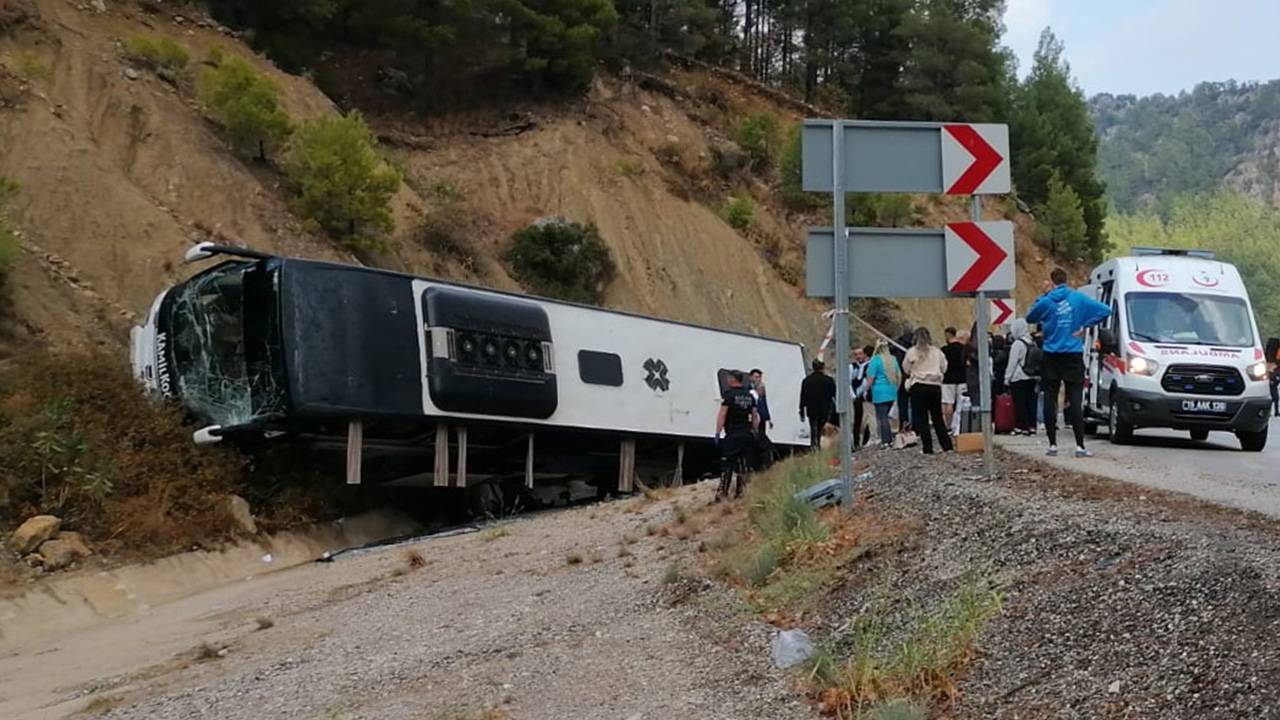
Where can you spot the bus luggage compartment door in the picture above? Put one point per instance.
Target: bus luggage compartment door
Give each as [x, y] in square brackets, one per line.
[488, 354]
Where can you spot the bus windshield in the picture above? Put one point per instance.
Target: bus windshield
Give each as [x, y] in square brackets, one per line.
[219, 375]
[1165, 317]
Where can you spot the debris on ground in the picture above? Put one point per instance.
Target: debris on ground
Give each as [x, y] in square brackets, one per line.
[791, 647]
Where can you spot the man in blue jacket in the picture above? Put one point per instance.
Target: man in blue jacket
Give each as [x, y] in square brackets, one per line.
[1063, 314]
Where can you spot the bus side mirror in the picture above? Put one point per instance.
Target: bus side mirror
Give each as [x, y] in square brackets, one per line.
[1107, 342]
[198, 252]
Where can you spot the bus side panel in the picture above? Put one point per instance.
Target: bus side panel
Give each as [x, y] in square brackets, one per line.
[350, 341]
[621, 373]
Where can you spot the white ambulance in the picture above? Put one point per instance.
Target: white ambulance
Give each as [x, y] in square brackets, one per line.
[1181, 349]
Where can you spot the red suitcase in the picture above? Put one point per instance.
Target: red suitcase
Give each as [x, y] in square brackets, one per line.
[1005, 418]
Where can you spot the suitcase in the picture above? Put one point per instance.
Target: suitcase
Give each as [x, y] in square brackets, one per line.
[1005, 418]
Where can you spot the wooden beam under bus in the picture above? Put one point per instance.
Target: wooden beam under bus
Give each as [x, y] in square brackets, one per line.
[528, 464]
[678, 479]
[355, 451]
[462, 457]
[441, 476]
[627, 465]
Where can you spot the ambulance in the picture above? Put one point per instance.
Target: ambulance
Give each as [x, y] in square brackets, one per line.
[1181, 349]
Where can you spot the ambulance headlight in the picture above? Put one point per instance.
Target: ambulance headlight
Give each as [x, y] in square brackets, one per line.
[1257, 371]
[1139, 365]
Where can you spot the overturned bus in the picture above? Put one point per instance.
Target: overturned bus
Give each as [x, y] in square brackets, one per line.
[427, 382]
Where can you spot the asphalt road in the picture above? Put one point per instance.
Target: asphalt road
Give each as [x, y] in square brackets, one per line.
[1216, 470]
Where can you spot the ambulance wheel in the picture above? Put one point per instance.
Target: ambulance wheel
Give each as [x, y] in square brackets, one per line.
[1121, 431]
[1253, 441]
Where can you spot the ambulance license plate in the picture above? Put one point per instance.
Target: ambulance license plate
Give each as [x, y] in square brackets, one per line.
[1204, 406]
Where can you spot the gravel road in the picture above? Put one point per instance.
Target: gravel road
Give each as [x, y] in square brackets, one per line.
[1216, 469]
[496, 620]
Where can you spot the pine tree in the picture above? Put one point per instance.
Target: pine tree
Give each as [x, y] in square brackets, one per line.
[956, 69]
[1053, 137]
[247, 105]
[342, 182]
[1062, 221]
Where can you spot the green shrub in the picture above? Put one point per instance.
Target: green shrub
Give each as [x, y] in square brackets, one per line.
[160, 53]
[790, 162]
[342, 182]
[760, 136]
[8, 241]
[630, 167]
[562, 259]
[740, 211]
[247, 105]
[881, 210]
[31, 66]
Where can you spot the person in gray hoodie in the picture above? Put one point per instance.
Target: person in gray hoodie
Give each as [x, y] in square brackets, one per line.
[1021, 382]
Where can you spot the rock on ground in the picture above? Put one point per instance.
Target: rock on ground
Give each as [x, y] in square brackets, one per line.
[34, 531]
[238, 508]
[60, 552]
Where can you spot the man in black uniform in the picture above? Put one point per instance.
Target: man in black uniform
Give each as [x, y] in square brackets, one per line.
[817, 402]
[738, 420]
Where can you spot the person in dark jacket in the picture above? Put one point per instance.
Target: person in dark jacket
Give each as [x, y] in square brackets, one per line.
[999, 364]
[738, 421]
[817, 401]
[1273, 365]
[755, 384]
[906, 340]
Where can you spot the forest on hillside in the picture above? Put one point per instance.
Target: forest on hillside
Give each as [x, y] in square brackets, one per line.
[1154, 149]
[872, 59]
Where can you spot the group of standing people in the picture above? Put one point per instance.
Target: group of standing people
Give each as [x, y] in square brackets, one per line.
[928, 382]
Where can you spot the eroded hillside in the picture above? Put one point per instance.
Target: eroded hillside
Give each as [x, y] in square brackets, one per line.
[120, 171]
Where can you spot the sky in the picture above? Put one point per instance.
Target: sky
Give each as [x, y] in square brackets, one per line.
[1149, 46]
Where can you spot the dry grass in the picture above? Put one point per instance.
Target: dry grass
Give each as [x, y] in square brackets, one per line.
[413, 560]
[651, 529]
[264, 623]
[924, 667]
[495, 534]
[679, 514]
[629, 539]
[625, 552]
[458, 713]
[672, 573]
[573, 558]
[207, 651]
[102, 704]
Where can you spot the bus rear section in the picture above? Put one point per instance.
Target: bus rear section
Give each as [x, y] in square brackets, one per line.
[1181, 350]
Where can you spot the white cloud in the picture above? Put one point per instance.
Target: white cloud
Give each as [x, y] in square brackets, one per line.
[1024, 20]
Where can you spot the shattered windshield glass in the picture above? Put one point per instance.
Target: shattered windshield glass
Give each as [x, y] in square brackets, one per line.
[223, 375]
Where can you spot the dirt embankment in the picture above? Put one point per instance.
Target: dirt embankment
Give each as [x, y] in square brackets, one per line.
[120, 172]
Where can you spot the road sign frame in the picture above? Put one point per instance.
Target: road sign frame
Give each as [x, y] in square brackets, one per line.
[919, 270]
[899, 157]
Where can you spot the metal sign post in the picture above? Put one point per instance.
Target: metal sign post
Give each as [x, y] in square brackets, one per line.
[985, 401]
[840, 277]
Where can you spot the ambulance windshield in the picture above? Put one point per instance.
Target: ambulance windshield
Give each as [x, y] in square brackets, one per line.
[1165, 317]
